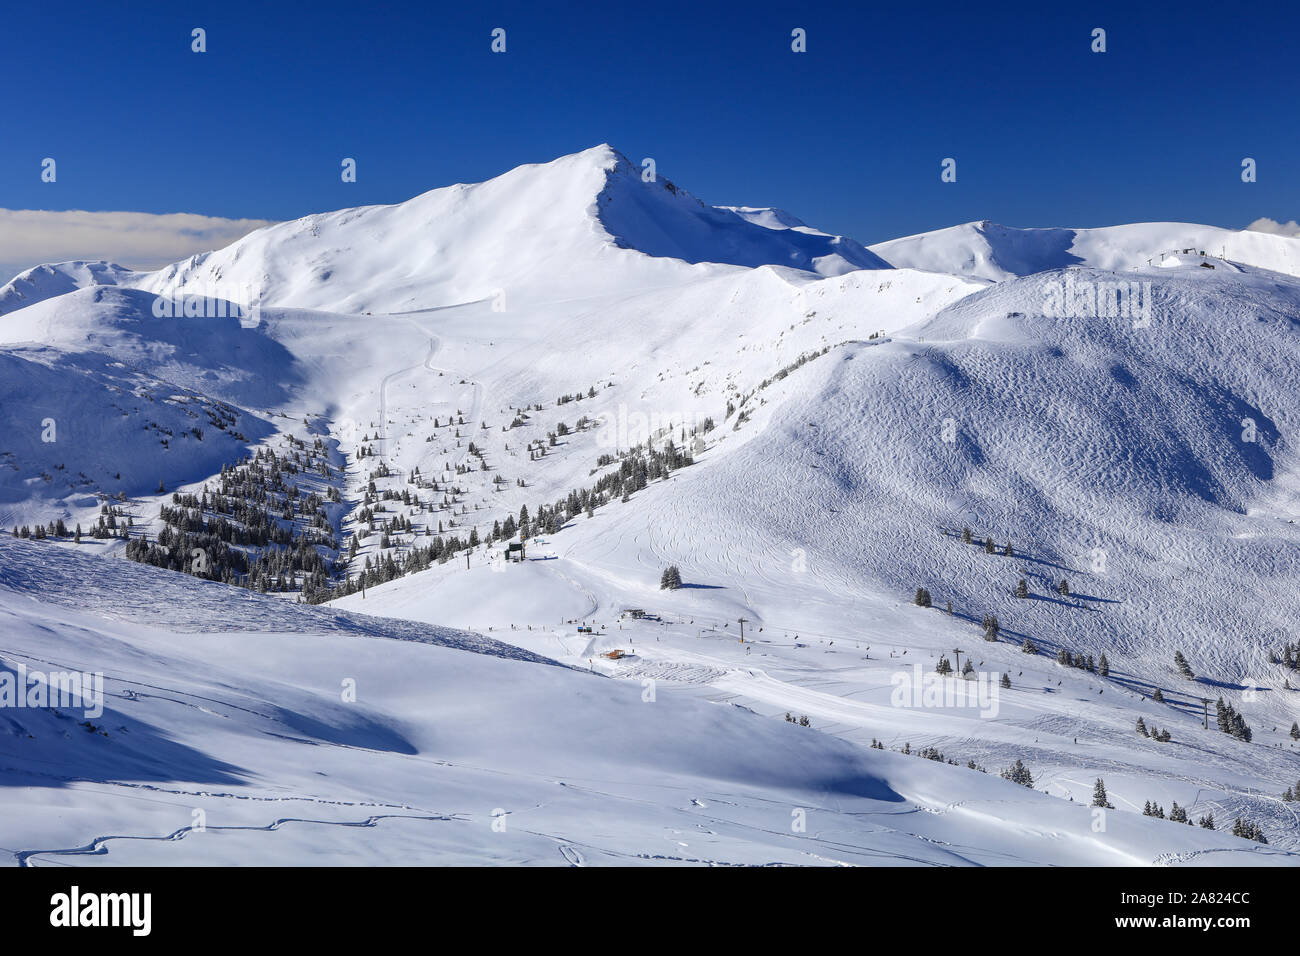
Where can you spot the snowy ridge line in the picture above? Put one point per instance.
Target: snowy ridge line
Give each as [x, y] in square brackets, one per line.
[66, 579]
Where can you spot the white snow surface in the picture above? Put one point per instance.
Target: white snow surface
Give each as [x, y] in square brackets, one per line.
[987, 250]
[225, 739]
[868, 405]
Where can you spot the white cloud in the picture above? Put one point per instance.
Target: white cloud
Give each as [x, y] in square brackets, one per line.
[1291, 228]
[138, 240]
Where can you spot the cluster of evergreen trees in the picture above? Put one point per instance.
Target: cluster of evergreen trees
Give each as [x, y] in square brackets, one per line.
[968, 537]
[928, 753]
[803, 359]
[1290, 656]
[1241, 827]
[989, 624]
[258, 529]
[1230, 721]
[1019, 773]
[390, 567]
[637, 468]
[55, 529]
[108, 526]
[576, 396]
[671, 579]
[1164, 736]
[1177, 814]
[1082, 661]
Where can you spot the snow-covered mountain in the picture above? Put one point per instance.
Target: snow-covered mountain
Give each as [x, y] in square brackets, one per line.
[47, 281]
[800, 426]
[581, 224]
[986, 250]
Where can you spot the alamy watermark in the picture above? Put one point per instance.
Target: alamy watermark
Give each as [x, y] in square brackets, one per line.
[628, 429]
[1102, 299]
[67, 690]
[220, 300]
[930, 690]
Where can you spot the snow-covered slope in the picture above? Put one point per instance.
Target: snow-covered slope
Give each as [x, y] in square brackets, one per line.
[236, 728]
[1110, 456]
[570, 227]
[215, 354]
[987, 250]
[573, 226]
[47, 281]
[432, 369]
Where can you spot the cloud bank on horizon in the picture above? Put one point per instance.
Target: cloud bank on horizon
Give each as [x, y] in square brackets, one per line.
[138, 240]
[1264, 224]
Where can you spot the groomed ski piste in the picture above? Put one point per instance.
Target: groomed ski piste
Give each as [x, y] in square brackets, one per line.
[848, 414]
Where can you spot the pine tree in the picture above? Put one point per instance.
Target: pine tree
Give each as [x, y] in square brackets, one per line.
[966, 536]
[1019, 774]
[1181, 663]
[1231, 722]
[1029, 647]
[991, 627]
[943, 667]
[1005, 682]
[1103, 666]
[1099, 795]
[922, 598]
[1206, 822]
[1244, 828]
[1142, 727]
[1063, 588]
[988, 545]
[1295, 731]
[1157, 696]
[1022, 589]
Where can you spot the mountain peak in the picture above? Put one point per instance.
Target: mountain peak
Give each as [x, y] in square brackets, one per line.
[537, 231]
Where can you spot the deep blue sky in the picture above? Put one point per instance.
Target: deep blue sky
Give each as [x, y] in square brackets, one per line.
[848, 136]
